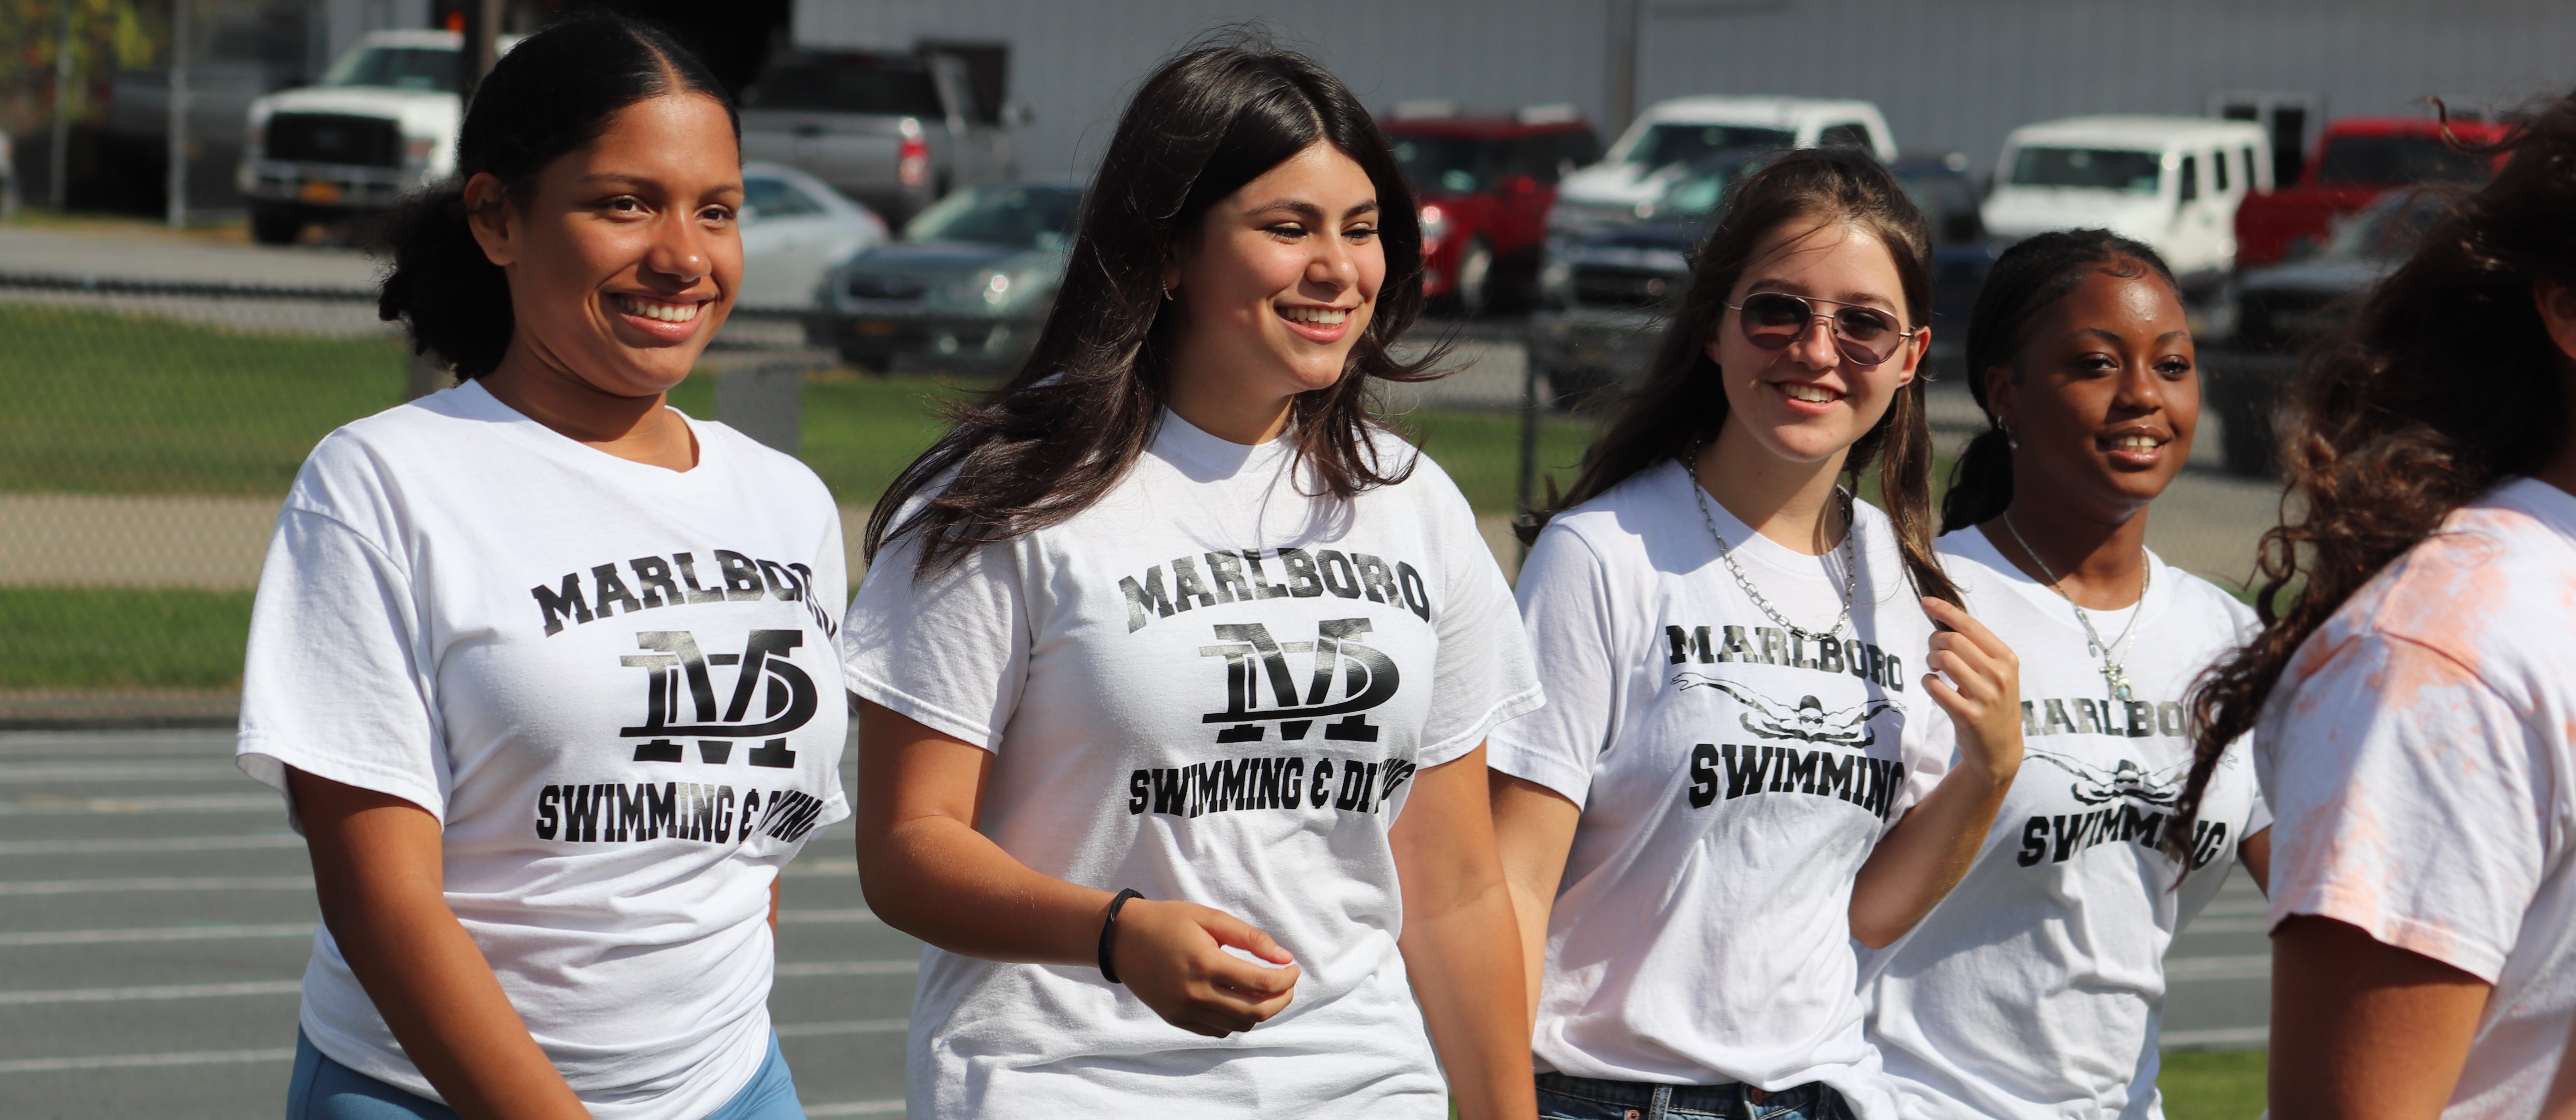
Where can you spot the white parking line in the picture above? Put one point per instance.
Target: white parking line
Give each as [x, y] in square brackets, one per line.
[187, 803]
[19, 772]
[145, 1061]
[854, 1108]
[849, 1026]
[146, 844]
[153, 933]
[2250, 966]
[153, 992]
[2217, 1038]
[174, 883]
[831, 917]
[851, 968]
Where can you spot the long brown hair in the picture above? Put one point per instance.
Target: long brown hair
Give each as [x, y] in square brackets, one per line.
[1059, 435]
[1680, 401]
[2445, 383]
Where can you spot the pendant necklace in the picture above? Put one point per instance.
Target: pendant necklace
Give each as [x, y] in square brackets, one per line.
[1726, 552]
[2115, 670]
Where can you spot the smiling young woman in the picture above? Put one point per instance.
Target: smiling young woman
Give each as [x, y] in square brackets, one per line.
[546, 836]
[2083, 361]
[1745, 759]
[1174, 667]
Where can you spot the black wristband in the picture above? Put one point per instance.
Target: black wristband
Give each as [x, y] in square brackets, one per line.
[1109, 927]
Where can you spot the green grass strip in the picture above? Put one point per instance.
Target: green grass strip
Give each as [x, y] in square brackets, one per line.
[2213, 1084]
[66, 637]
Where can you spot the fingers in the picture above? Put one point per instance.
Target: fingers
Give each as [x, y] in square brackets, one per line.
[1230, 930]
[1966, 625]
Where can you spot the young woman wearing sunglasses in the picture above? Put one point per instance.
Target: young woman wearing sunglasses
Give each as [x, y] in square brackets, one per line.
[1745, 759]
[2038, 986]
[2413, 717]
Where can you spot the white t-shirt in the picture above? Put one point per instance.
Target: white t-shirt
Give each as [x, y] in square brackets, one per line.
[1733, 780]
[613, 685]
[2035, 989]
[1207, 687]
[2420, 752]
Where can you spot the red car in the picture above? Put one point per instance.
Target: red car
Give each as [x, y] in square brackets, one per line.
[2357, 160]
[1485, 185]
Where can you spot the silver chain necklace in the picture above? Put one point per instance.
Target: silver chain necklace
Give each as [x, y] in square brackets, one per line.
[2115, 672]
[1726, 552]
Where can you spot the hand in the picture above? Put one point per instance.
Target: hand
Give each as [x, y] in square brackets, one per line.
[1983, 693]
[1171, 954]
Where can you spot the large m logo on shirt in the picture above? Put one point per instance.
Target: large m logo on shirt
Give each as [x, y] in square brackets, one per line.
[1253, 658]
[679, 668]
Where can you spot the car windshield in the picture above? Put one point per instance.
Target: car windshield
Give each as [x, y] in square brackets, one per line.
[2108, 169]
[396, 68]
[2397, 159]
[1696, 194]
[1948, 202]
[2385, 231]
[878, 85]
[1017, 216]
[1451, 164]
[1672, 143]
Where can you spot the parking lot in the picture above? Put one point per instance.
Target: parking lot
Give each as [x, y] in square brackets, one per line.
[159, 914]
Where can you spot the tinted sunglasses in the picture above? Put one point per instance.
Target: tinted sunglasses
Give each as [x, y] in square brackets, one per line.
[1866, 336]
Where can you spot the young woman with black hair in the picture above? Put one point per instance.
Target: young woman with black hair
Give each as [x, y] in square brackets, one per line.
[546, 832]
[2036, 989]
[1174, 667]
[2414, 721]
[1746, 757]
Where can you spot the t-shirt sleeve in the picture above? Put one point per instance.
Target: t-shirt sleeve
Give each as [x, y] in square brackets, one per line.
[1484, 675]
[2411, 803]
[831, 589]
[949, 649]
[336, 681]
[1930, 748]
[1565, 610]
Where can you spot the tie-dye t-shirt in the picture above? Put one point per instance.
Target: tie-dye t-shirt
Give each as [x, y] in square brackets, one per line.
[2420, 759]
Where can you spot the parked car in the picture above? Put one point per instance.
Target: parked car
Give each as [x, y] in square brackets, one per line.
[967, 286]
[1485, 185]
[382, 122]
[1940, 186]
[794, 229]
[2281, 308]
[2358, 159]
[2171, 182]
[894, 131]
[1640, 166]
[1608, 288]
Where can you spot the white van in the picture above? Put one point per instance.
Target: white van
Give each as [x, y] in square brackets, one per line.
[1672, 133]
[2171, 182]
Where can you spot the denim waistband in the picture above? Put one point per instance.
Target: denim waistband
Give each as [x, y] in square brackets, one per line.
[1730, 1098]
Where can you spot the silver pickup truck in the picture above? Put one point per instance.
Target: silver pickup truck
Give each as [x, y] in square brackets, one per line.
[895, 131]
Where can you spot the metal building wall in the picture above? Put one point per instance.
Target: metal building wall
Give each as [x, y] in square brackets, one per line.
[1949, 74]
[1076, 61]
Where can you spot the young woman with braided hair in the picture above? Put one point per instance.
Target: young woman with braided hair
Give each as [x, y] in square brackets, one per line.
[1746, 759]
[2037, 989]
[2415, 725]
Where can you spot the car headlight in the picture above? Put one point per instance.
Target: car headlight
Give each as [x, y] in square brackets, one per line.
[1435, 226]
[999, 290]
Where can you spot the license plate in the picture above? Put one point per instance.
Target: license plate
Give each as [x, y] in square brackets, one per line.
[320, 193]
[877, 329]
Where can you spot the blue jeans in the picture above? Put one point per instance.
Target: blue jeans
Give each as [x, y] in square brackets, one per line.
[326, 1090]
[1585, 1098]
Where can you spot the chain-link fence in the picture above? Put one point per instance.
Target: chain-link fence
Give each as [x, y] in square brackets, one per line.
[150, 431]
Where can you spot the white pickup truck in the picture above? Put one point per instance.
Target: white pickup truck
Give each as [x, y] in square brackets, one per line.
[382, 122]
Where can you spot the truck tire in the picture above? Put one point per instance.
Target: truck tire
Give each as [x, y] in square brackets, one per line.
[275, 223]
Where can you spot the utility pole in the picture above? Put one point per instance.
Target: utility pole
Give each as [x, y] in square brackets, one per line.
[482, 28]
[1625, 16]
[178, 188]
[62, 146]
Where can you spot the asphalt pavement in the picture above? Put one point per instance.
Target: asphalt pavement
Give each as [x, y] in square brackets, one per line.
[159, 914]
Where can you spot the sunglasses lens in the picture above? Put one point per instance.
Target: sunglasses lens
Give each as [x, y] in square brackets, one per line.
[1860, 324]
[1772, 320]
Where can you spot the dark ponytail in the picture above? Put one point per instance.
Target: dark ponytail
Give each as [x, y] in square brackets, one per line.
[2027, 278]
[551, 95]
